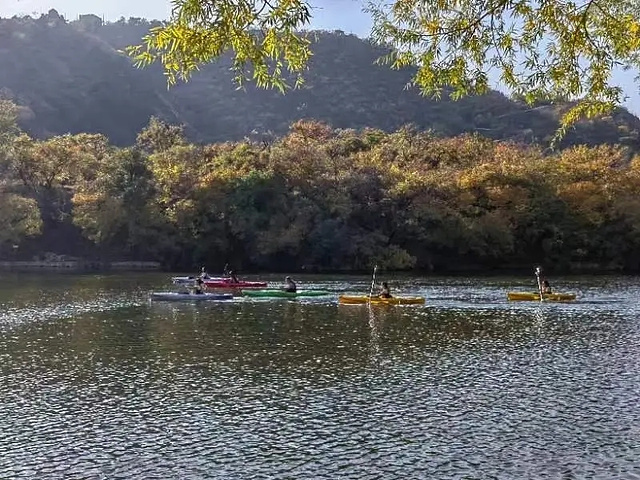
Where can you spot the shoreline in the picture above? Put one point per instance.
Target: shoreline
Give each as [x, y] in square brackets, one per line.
[78, 266]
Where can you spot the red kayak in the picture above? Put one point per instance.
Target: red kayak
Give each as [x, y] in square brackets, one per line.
[228, 283]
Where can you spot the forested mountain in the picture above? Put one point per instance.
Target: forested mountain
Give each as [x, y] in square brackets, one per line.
[69, 77]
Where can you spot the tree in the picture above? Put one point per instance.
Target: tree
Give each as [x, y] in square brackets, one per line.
[8, 125]
[116, 207]
[550, 49]
[159, 136]
[49, 169]
[19, 218]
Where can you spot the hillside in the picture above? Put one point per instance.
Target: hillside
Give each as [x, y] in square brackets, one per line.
[71, 78]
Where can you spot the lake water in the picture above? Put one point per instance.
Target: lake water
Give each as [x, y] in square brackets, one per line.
[96, 382]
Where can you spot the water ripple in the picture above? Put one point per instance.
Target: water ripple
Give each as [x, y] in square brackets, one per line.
[467, 386]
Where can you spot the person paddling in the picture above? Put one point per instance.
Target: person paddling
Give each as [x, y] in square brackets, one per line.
[290, 286]
[233, 277]
[198, 286]
[384, 291]
[544, 287]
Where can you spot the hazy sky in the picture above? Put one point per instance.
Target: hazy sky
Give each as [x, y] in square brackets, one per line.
[329, 15]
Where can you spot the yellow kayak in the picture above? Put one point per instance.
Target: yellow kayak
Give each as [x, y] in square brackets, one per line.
[535, 296]
[362, 299]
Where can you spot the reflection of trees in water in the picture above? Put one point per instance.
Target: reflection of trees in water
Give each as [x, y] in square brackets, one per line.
[277, 334]
[406, 332]
[298, 336]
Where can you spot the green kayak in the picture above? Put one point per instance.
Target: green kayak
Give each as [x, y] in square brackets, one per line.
[274, 292]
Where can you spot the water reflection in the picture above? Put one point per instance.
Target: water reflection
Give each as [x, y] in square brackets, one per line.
[374, 325]
[468, 385]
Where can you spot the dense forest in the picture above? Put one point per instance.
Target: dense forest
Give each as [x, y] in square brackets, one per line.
[69, 77]
[319, 198]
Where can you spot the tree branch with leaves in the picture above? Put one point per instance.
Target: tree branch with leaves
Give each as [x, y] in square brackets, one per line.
[540, 49]
[262, 36]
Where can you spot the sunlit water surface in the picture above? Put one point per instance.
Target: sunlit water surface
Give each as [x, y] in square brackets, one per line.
[96, 382]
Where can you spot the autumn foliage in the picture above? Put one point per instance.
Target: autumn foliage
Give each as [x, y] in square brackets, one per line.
[331, 199]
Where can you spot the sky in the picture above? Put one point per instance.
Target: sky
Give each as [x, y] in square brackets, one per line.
[328, 15]
[343, 15]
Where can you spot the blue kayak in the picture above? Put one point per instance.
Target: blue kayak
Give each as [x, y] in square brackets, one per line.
[189, 297]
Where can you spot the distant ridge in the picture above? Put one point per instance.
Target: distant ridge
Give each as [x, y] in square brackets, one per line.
[69, 77]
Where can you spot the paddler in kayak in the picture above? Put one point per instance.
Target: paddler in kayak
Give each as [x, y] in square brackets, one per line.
[384, 291]
[543, 283]
[290, 285]
[233, 277]
[198, 286]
